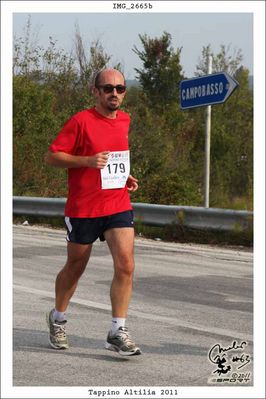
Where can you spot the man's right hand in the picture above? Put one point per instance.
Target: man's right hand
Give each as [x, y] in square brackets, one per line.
[99, 160]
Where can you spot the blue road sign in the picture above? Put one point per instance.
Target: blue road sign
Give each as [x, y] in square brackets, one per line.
[206, 90]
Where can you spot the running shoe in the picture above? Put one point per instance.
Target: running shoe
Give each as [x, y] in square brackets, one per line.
[122, 343]
[57, 332]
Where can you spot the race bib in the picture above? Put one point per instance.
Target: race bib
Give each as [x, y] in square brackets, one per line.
[116, 171]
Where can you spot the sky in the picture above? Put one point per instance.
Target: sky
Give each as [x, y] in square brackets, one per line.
[119, 33]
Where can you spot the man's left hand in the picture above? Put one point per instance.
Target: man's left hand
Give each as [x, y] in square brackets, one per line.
[132, 184]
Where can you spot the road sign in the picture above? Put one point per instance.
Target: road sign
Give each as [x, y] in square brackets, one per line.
[206, 90]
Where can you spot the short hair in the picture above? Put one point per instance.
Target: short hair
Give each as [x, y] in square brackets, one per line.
[98, 77]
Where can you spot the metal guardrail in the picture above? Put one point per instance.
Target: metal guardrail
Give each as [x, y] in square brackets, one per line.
[151, 215]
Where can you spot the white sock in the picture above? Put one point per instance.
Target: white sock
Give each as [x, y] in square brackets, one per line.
[59, 316]
[117, 322]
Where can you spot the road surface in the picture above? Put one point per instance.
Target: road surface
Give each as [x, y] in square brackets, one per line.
[187, 300]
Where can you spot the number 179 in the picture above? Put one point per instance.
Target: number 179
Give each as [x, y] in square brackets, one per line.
[121, 167]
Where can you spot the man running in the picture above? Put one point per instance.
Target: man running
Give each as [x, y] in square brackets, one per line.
[93, 146]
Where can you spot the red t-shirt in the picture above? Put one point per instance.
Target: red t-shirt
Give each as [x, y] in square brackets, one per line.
[88, 133]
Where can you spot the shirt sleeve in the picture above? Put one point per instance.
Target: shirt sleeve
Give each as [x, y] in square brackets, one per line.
[68, 138]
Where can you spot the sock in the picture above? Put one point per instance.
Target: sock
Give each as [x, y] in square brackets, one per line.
[59, 316]
[116, 323]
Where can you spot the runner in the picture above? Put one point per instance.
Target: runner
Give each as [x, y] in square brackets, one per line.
[93, 146]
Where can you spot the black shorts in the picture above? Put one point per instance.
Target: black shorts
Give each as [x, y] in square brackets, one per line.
[87, 230]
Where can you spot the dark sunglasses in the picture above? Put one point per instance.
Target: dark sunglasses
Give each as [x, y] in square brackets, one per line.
[110, 88]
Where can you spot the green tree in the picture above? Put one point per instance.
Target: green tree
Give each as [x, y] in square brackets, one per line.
[161, 72]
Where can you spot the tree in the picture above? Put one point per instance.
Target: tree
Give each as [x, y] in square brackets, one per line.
[26, 51]
[161, 72]
[91, 61]
[221, 62]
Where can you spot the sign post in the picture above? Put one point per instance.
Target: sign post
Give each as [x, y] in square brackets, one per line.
[206, 91]
[207, 146]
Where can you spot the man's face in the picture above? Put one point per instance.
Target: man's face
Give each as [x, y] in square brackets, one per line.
[111, 90]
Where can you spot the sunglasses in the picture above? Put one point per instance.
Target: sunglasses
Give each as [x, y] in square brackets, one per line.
[110, 88]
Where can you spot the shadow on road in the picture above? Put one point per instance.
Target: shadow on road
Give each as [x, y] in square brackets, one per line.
[36, 341]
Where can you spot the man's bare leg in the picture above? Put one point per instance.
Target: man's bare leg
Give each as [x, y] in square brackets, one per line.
[121, 244]
[65, 286]
[67, 279]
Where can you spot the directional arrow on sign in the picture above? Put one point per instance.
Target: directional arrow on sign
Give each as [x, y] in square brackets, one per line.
[206, 90]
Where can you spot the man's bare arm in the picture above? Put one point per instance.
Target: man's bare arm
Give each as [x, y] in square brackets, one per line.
[63, 160]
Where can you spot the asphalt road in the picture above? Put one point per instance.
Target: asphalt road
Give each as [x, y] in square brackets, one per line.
[187, 300]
